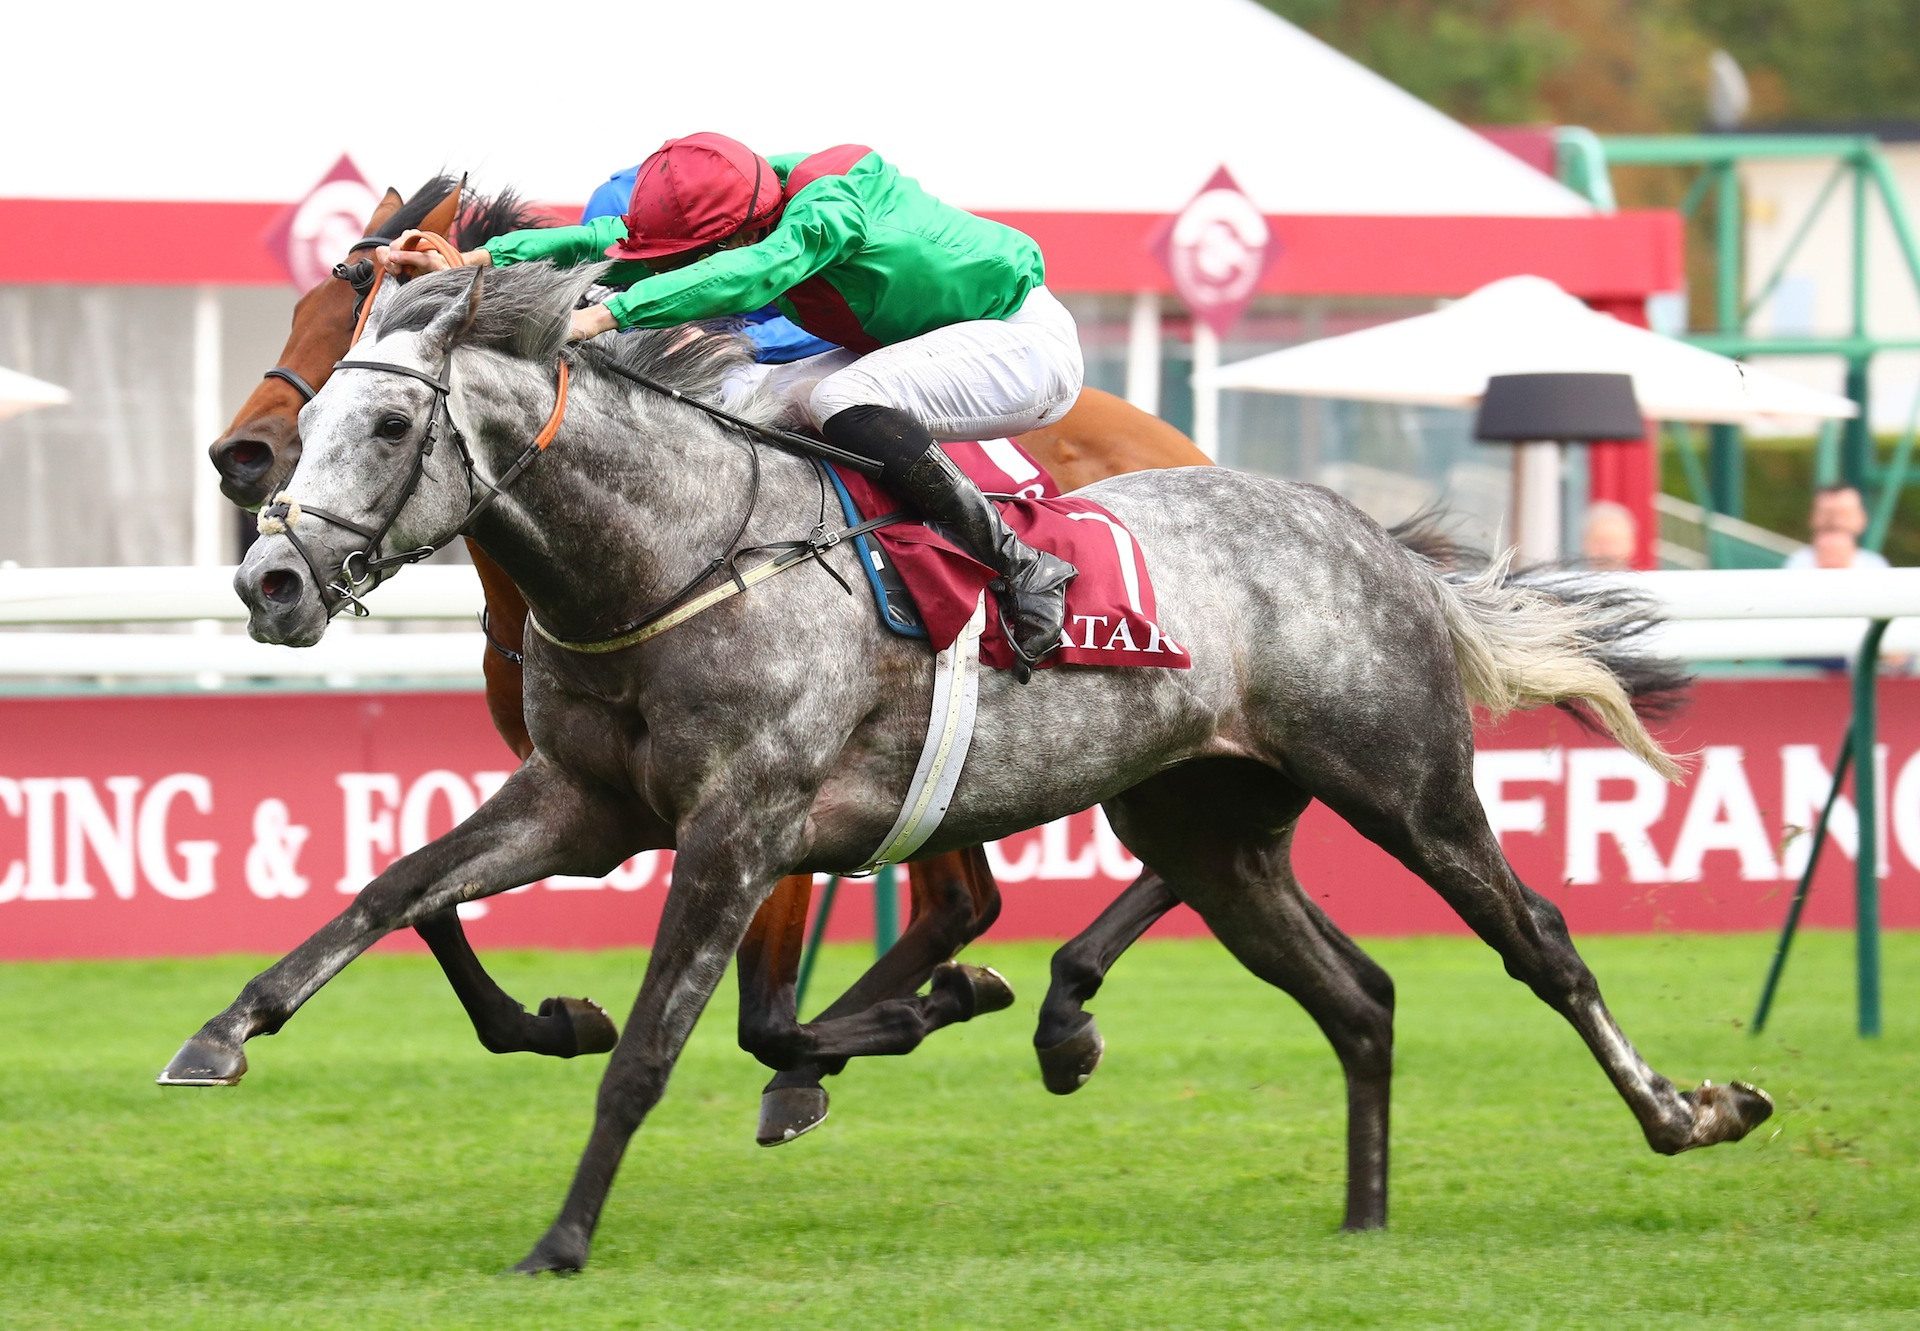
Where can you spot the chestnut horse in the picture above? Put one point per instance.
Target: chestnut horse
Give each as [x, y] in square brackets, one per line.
[954, 897]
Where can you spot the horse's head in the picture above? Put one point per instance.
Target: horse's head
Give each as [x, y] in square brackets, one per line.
[383, 476]
[258, 451]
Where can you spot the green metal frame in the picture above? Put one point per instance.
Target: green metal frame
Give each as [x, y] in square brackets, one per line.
[1859, 739]
[1859, 164]
[1586, 162]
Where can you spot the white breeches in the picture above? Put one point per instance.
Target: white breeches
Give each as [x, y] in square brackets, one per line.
[984, 379]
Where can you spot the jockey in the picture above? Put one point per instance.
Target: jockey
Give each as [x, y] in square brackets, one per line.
[945, 327]
[776, 339]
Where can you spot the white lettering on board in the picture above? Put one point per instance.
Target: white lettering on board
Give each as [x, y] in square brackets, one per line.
[369, 800]
[1495, 768]
[1722, 815]
[194, 879]
[1626, 822]
[80, 840]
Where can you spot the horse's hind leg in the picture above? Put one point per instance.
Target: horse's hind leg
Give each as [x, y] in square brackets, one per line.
[954, 900]
[1419, 804]
[1066, 1038]
[562, 1028]
[1222, 834]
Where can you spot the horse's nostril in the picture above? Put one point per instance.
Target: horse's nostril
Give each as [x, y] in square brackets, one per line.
[281, 585]
[244, 459]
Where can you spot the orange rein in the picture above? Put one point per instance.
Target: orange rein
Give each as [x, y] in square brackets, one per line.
[420, 240]
[426, 240]
[552, 427]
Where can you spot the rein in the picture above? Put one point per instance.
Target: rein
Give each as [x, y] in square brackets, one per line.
[366, 568]
[678, 610]
[791, 440]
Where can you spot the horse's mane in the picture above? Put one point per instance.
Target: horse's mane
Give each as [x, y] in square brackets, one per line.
[482, 216]
[524, 312]
[485, 216]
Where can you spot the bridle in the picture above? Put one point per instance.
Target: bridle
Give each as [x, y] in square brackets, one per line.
[356, 273]
[366, 568]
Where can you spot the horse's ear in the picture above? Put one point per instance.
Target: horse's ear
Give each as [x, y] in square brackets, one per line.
[389, 205]
[452, 323]
[440, 220]
[375, 312]
[473, 300]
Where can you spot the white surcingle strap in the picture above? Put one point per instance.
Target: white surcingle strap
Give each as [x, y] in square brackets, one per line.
[956, 692]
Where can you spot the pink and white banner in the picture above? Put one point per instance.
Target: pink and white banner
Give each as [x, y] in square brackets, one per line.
[174, 826]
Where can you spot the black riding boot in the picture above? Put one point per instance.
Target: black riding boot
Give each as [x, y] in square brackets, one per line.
[1032, 586]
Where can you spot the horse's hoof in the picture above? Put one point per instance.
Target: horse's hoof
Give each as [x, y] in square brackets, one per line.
[1727, 1113]
[1066, 1066]
[203, 1062]
[555, 1253]
[593, 1030]
[980, 989]
[787, 1112]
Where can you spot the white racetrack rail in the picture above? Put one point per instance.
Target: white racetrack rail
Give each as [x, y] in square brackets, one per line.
[1720, 615]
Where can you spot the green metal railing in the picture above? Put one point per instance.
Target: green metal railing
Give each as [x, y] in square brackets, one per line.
[1586, 163]
[1859, 742]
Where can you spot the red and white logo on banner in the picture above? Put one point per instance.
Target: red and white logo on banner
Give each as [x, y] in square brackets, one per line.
[313, 235]
[1217, 249]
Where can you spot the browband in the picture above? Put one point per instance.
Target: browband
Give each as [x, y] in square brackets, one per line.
[436, 384]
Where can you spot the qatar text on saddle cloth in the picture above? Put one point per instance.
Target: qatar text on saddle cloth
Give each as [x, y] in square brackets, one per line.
[1111, 615]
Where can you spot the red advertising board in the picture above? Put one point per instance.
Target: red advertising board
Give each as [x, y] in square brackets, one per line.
[160, 826]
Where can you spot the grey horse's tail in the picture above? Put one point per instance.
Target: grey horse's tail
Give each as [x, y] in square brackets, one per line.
[1551, 636]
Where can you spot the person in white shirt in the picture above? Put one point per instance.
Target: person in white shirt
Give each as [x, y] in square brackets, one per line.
[1838, 521]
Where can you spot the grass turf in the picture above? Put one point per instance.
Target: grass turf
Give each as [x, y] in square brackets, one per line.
[378, 1169]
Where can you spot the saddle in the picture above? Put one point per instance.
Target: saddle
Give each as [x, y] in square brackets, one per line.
[926, 587]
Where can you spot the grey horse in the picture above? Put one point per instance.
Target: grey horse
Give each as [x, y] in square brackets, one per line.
[1330, 663]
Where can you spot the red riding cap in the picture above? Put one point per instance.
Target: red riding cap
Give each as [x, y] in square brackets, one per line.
[693, 192]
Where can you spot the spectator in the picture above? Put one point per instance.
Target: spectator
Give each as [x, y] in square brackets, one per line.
[1608, 539]
[1837, 522]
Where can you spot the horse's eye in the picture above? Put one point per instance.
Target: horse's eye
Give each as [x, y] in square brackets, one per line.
[393, 428]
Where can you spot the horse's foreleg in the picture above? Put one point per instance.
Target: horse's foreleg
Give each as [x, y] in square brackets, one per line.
[726, 863]
[770, 956]
[540, 822]
[954, 900]
[1066, 1038]
[562, 1028]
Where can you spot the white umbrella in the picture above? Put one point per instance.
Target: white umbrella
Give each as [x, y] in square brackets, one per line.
[1527, 325]
[20, 392]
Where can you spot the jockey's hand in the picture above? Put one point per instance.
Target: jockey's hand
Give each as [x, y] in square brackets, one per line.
[412, 263]
[590, 322]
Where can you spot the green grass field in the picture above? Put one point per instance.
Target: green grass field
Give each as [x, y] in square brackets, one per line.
[378, 1169]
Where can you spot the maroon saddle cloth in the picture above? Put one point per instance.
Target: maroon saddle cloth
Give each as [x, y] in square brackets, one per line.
[1112, 619]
